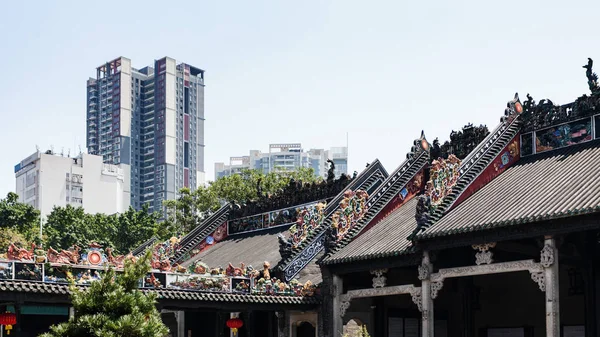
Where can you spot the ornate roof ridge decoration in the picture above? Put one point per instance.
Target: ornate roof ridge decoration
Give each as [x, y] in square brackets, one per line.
[295, 259]
[545, 113]
[352, 209]
[94, 256]
[415, 161]
[26, 286]
[307, 222]
[67, 266]
[427, 212]
[139, 250]
[201, 232]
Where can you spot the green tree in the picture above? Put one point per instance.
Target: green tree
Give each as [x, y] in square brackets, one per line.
[11, 235]
[132, 228]
[191, 207]
[114, 307]
[18, 216]
[67, 226]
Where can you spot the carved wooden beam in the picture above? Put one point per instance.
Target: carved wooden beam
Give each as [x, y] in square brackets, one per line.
[409, 289]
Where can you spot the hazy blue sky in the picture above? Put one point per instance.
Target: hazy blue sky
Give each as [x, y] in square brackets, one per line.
[296, 71]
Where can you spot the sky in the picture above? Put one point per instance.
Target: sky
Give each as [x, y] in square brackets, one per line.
[296, 71]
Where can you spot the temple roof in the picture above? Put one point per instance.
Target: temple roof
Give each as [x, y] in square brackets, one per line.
[251, 248]
[408, 173]
[551, 185]
[386, 238]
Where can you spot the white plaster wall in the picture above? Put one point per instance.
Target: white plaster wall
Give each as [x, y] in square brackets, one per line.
[170, 112]
[102, 193]
[125, 93]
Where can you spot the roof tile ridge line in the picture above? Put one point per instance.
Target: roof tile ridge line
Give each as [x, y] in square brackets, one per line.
[284, 263]
[503, 128]
[365, 223]
[144, 246]
[417, 153]
[346, 240]
[376, 168]
[201, 233]
[458, 192]
[508, 111]
[207, 222]
[366, 173]
[316, 234]
[505, 121]
[484, 168]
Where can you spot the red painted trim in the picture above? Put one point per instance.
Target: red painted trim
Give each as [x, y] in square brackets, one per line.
[509, 155]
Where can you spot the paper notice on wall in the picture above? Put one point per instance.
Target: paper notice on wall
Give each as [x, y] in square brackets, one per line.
[574, 331]
[506, 332]
[411, 327]
[395, 327]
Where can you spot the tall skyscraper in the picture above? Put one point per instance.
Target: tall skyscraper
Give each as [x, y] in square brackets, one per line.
[150, 122]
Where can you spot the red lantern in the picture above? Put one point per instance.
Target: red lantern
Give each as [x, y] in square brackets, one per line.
[8, 319]
[234, 324]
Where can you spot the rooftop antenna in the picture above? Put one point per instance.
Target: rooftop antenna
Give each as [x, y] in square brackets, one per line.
[69, 153]
[80, 150]
[51, 149]
[37, 148]
[62, 152]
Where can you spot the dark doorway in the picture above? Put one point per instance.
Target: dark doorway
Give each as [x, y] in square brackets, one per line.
[305, 329]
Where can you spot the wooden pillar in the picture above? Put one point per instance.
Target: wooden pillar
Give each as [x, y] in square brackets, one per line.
[250, 324]
[222, 317]
[468, 288]
[427, 318]
[549, 259]
[590, 278]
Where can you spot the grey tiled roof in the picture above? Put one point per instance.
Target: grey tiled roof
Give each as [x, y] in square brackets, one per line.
[369, 178]
[386, 238]
[171, 294]
[250, 248]
[561, 183]
[477, 161]
[384, 194]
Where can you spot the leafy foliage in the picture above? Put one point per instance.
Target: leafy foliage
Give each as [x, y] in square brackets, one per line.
[19, 217]
[11, 235]
[188, 211]
[114, 306]
[67, 226]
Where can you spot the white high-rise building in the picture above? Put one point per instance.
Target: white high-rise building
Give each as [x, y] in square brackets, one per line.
[287, 157]
[45, 180]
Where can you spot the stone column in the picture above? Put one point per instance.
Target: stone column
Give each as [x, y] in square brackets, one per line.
[283, 324]
[180, 323]
[425, 271]
[549, 260]
[337, 319]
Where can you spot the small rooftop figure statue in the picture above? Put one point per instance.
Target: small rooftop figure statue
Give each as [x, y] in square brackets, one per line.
[592, 77]
[330, 172]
